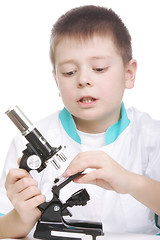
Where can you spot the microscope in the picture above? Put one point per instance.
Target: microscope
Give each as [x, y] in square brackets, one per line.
[38, 152]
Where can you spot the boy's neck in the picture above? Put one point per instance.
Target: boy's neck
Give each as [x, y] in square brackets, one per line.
[94, 126]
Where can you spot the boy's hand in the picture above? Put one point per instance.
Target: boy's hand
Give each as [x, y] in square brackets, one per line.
[107, 173]
[23, 192]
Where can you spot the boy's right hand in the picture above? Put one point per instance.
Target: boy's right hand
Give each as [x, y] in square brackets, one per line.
[23, 192]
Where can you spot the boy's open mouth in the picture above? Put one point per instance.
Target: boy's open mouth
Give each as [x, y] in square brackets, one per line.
[87, 100]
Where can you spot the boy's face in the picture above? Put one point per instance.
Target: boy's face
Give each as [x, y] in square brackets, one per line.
[91, 77]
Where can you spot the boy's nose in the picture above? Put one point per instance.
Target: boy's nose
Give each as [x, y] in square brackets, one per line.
[84, 81]
[87, 84]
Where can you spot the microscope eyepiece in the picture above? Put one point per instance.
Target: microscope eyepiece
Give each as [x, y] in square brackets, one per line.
[37, 145]
[19, 119]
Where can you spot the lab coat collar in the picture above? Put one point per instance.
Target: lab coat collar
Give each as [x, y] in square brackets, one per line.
[111, 134]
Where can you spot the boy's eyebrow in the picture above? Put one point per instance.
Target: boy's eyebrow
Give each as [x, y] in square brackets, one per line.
[100, 57]
[90, 58]
[67, 61]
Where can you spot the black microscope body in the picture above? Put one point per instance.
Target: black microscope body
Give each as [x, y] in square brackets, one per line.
[52, 223]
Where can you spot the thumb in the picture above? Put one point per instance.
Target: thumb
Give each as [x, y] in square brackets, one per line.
[18, 161]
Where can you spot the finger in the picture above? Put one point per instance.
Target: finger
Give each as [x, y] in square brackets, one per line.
[15, 189]
[27, 194]
[18, 161]
[91, 177]
[36, 201]
[14, 175]
[95, 178]
[84, 160]
[31, 205]
[24, 183]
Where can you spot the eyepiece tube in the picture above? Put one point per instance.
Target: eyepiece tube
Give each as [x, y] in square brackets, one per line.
[37, 144]
[19, 119]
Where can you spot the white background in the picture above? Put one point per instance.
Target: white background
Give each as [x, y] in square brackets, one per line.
[25, 69]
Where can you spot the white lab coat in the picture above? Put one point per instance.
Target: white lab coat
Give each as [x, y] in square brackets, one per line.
[136, 148]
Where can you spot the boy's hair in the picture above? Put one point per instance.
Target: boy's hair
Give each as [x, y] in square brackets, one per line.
[84, 22]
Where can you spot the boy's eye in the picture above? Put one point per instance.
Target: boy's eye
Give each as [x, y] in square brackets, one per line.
[68, 74]
[100, 70]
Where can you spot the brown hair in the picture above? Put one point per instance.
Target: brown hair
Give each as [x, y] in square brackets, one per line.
[83, 22]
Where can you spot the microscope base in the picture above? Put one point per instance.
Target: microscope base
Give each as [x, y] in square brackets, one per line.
[63, 231]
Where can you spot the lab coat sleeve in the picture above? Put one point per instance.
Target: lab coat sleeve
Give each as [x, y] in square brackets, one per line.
[15, 151]
[153, 168]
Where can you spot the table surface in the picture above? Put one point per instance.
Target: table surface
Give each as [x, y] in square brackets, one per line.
[116, 236]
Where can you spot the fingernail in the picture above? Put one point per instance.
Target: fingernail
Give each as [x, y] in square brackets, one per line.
[67, 173]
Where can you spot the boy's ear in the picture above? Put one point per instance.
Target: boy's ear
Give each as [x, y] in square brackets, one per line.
[130, 74]
[55, 78]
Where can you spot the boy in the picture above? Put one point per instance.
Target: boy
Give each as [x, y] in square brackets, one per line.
[92, 64]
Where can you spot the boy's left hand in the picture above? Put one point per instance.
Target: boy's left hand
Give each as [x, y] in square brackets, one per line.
[106, 172]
